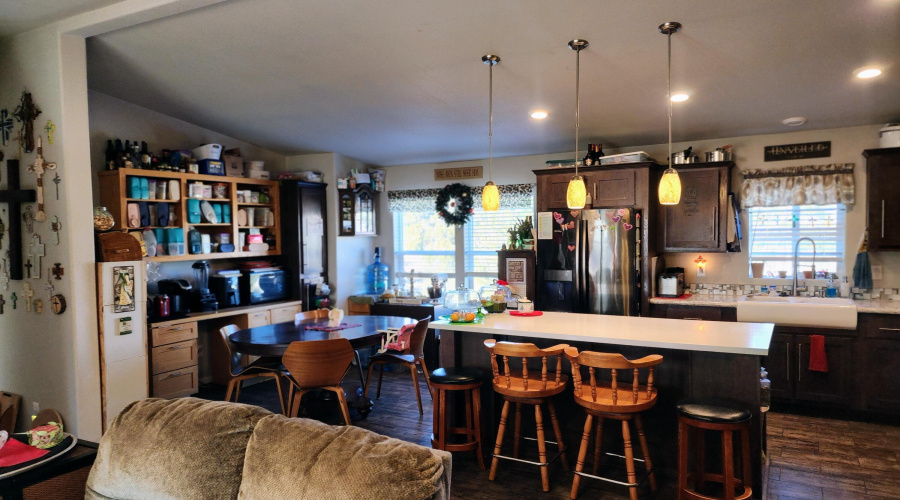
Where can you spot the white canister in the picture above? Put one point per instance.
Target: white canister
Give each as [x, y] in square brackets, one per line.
[526, 305]
[889, 136]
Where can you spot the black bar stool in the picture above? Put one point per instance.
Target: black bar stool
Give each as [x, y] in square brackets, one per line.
[702, 415]
[457, 379]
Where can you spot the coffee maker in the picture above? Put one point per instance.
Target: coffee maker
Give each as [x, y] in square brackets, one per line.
[203, 299]
[179, 292]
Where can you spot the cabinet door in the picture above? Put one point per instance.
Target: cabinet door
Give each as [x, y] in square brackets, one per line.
[833, 387]
[614, 188]
[778, 364]
[552, 191]
[259, 318]
[697, 223]
[883, 199]
[882, 378]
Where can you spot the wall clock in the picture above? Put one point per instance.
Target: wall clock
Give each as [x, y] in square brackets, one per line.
[58, 304]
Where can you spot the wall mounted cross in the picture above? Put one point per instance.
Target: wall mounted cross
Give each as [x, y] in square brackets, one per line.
[13, 298]
[55, 226]
[26, 113]
[38, 168]
[15, 197]
[49, 128]
[38, 250]
[28, 292]
[58, 271]
[2, 303]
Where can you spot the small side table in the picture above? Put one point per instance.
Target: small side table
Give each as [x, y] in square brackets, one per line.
[80, 457]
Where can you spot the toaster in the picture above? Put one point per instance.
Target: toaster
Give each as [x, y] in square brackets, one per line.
[671, 284]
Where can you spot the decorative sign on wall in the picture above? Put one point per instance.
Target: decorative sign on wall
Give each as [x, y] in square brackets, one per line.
[821, 149]
[456, 173]
[123, 289]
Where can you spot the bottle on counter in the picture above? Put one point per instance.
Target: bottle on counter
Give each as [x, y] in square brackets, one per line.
[120, 155]
[599, 152]
[845, 288]
[589, 157]
[831, 289]
[377, 275]
[110, 155]
[145, 156]
[765, 390]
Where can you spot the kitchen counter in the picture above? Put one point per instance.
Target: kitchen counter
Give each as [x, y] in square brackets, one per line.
[877, 306]
[705, 336]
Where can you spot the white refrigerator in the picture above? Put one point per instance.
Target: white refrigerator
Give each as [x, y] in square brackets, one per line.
[122, 295]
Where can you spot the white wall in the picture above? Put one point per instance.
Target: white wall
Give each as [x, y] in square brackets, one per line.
[847, 145]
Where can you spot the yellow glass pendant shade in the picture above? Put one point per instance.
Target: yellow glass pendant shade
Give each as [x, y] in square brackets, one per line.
[669, 187]
[576, 193]
[490, 197]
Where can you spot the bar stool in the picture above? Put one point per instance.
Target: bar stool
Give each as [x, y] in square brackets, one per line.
[719, 416]
[531, 388]
[604, 402]
[467, 380]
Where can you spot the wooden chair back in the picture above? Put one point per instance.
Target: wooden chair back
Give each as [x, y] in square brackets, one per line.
[9, 411]
[613, 362]
[234, 357]
[313, 314]
[318, 363]
[523, 352]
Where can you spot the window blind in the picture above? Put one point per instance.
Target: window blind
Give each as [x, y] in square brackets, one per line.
[774, 231]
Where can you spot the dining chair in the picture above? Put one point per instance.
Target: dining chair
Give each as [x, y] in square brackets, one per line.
[265, 366]
[312, 314]
[411, 357]
[318, 364]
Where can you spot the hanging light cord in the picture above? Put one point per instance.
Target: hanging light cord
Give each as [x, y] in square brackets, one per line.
[491, 122]
[669, 96]
[577, 89]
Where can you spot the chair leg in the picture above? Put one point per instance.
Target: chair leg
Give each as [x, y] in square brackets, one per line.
[427, 378]
[728, 464]
[598, 445]
[517, 430]
[440, 420]
[682, 458]
[499, 445]
[476, 403]
[230, 390]
[700, 459]
[646, 450]
[582, 452]
[559, 437]
[415, 377]
[345, 410]
[295, 407]
[542, 447]
[380, 375]
[629, 459]
[368, 379]
[277, 378]
[237, 389]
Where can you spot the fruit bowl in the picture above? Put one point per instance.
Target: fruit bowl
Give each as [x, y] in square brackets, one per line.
[461, 317]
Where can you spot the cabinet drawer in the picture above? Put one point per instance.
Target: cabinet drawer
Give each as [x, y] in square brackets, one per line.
[259, 318]
[176, 383]
[284, 314]
[694, 312]
[881, 326]
[173, 333]
[173, 356]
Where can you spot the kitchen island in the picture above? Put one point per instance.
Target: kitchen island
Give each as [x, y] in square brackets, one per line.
[702, 359]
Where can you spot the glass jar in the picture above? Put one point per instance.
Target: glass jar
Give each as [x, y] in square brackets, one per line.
[103, 220]
[495, 296]
[463, 301]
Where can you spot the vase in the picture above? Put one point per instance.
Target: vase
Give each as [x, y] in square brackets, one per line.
[103, 220]
[528, 244]
[757, 268]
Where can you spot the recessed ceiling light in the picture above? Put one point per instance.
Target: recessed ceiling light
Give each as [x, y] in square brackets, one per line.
[680, 97]
[539, 114]
[795, 121]
[867, 72]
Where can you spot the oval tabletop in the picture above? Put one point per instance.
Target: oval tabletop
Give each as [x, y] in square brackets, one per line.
[273, 340]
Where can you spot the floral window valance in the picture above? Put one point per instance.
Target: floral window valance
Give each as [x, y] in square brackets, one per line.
[422, 200]
[806, 185]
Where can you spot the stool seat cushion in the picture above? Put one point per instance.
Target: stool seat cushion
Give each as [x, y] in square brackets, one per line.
[712, 411]
[457, 376]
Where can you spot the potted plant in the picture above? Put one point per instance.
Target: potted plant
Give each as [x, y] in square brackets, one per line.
[520, 236]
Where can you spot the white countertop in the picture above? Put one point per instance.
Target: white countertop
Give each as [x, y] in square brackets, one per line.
[877, 306]
[708, 336]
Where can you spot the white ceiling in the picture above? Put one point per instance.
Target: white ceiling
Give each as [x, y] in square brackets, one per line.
[18, 16]
[401, 81]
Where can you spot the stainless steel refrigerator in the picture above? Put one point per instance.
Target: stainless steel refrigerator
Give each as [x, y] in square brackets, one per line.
[588, 261]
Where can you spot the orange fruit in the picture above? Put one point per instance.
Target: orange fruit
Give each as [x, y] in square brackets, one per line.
[454, 317]
[470, 317]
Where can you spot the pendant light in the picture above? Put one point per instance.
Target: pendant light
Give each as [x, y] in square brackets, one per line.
[490, 195]
[576, 193]
[670, 183]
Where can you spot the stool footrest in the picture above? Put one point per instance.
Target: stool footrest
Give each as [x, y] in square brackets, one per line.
[614, 481]
[623, 457]
[545, 464]
[546, 441]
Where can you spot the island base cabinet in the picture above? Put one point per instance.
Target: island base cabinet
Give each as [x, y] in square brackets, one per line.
[792, 380]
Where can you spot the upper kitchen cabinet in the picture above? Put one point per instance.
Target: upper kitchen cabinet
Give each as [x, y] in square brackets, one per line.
[623, 185]
[698, 222]
[883, 194]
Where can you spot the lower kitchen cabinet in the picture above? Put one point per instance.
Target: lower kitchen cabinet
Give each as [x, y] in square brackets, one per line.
[778, 364]
[879, 376]
[792, 380]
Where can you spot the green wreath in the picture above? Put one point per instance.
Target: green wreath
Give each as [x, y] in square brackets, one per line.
[454, 204]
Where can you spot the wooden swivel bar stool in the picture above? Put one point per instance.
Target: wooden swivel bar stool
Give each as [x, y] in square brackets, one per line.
[697, 417]
[531, 388]
[608, 402]
[467, 381]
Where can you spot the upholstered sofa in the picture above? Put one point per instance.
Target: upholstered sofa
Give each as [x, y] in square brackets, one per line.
[195, 449]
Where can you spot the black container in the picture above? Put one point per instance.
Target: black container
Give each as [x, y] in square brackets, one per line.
[226, 289]
[263, 286]
[179, 291]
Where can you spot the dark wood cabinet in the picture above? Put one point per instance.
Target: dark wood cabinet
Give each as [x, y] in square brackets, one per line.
[778, 364]
[552, 191]
[611, 189]
[883, 198]
[608, 186]
[792, 380]
[698, 222]
[879, 377]
[694, 312]
[303, 225]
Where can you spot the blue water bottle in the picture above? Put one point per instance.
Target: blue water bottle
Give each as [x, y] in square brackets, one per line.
[377, 275]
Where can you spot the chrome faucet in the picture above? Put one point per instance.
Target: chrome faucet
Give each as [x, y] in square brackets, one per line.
[796, 291]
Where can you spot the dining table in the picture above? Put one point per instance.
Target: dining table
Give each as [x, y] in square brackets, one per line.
[361, 331]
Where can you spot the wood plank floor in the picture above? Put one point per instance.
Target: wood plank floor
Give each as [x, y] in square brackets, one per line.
[812, 457]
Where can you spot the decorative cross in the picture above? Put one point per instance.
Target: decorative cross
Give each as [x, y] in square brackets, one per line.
[55, 226]
[28, 293]
[4, 277]
[2, 302]
[28, 218]
[14, 299]
[6, 125]
[38, 250]
[56, 180]
[38, 306]
[49, 286]
[57, 271]
[38, 168]
[49, 128]
[28, 266]
[15, 197]
[26, 113]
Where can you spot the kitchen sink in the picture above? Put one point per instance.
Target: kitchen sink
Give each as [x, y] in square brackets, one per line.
[798, 311]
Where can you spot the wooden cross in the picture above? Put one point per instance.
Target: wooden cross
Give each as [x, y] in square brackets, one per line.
[15, 197]
[28, 293]
[26, 113]
[38, 306]
[38, 250]
[13, 298]
[28, 266]
[38, 168]
[58, 271]
[55, 226]
[2, 303]
[49, 128]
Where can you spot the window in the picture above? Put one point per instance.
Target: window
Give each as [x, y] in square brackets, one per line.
[484, 235]
[774, 232]
[424, 244]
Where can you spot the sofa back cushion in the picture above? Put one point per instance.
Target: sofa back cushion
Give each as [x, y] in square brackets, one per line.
[296, 458]
[180, 448]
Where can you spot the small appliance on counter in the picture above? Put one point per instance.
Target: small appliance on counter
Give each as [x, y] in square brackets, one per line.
[263, 285]
[179, 292]
[226, 287]
[203, 299]
[671, 283]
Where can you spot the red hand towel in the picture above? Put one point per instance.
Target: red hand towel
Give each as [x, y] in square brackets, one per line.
[15, 453]
[817, 360]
